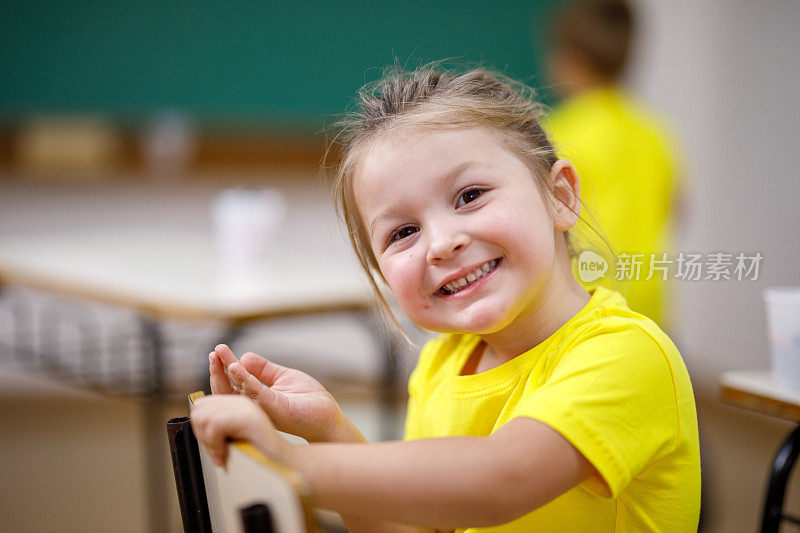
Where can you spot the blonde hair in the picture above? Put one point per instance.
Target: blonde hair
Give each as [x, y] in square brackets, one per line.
[434, 97]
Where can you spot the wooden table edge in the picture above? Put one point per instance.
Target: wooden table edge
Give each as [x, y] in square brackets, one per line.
[759, 403]
[160, 310]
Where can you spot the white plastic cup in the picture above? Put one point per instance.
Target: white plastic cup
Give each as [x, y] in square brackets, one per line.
[245, 222]
[783, 330]
[169, 145]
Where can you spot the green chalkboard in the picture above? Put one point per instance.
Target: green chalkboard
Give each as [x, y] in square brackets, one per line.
[298, 62]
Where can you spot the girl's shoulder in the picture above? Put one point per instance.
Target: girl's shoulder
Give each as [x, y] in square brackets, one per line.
[608, 316]
[611, 335]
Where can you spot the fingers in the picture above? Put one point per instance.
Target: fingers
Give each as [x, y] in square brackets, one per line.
[220, 384]
[273, 403]
[219, 360]
[223, 381]
[225, 354]
[211, 430]
[252, 387]
[265, 370]
[218, 419]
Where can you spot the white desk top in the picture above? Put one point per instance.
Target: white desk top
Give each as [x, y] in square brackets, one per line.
[151, 250]
[756, 390]
[175, 274]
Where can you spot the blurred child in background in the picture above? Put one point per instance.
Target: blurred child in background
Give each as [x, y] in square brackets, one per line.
[622, 153]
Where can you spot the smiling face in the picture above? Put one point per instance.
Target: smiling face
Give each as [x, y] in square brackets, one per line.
[458, 227]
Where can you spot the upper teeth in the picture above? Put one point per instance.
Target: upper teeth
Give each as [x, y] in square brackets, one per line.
[470, 277]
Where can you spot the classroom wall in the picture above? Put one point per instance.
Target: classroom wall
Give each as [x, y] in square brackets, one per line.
[288, 63]
[726, 73]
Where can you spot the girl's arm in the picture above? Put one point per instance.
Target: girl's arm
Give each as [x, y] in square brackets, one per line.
[447, 482]
[221, 416]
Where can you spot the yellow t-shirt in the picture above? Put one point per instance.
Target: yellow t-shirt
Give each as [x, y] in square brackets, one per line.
[626, 166]
[613, 384]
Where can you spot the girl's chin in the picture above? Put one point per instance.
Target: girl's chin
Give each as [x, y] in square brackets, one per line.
[487, 317]
[479, 327]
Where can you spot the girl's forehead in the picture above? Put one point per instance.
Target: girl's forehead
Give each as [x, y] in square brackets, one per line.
[431, 150]
[408, 143]
[384, 161]
[386, 158]
[421, 157]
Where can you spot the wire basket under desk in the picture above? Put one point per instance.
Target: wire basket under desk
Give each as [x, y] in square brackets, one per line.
[100, 347]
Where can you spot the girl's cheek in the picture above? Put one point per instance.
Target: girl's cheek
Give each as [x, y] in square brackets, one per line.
[401, 273]
[500, 222]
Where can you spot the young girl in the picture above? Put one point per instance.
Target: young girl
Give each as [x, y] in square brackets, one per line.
[541, 407]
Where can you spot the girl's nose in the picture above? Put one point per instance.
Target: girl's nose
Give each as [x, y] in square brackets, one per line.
[445, 244]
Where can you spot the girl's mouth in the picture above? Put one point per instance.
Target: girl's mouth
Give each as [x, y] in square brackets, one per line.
[472, 277]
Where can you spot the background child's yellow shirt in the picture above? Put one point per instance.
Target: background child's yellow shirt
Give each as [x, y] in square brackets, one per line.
[626, 165]
[613, 384]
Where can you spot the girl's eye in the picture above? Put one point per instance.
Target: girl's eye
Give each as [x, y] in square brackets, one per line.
[402, 233]
[470, 195]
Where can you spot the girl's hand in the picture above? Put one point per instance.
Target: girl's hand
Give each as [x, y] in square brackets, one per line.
[218, 361]
[295, 402]
[218, 419]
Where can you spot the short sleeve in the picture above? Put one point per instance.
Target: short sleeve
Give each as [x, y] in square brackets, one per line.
[612, 395]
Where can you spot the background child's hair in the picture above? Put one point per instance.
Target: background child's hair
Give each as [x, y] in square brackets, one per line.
[600, 31]
[431, 96]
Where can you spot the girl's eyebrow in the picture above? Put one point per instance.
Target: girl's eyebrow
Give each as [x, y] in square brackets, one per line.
[386, 213]
[447, 176]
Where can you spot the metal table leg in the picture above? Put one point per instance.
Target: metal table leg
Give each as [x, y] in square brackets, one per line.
[779, 476]
[389, 376]
[153, 420]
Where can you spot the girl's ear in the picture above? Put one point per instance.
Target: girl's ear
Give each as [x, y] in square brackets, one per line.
[566, 191]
